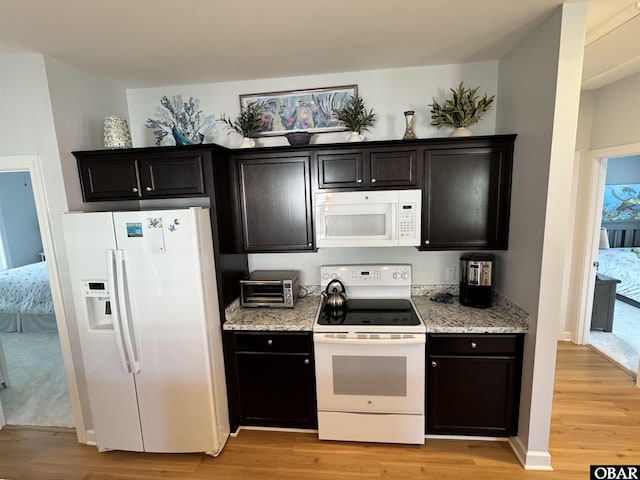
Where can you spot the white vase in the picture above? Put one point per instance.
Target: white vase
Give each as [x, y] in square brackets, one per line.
[116, 133]
[247, 143]
[355, 137]
[461, 132]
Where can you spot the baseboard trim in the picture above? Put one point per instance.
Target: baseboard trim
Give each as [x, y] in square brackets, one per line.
[91, 438]
[530, 460]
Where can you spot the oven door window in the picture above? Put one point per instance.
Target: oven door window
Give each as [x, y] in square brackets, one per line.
[370, 375]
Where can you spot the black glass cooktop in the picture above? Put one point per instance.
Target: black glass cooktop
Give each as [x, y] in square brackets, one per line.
[371, 312]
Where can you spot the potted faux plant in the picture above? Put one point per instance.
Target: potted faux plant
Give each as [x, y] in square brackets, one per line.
[355, 117]
[248, 124]
[465, 107]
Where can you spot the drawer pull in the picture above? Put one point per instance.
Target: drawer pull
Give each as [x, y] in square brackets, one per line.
[434, 364]
[306, 361]
[134, 190]
[148, 189]
[269, 342]
[473, 345]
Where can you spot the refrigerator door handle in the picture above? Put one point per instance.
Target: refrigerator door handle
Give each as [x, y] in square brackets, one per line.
[124, 312]
[115, 312]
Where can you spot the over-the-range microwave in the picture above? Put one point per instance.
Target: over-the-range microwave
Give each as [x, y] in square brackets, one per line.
[384, 218]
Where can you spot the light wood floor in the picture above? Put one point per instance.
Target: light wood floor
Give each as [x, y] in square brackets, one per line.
[596, 420]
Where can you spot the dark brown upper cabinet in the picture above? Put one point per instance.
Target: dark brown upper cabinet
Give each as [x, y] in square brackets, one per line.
[137, 174]
[340, 169]
[466, 194]
[368, 168]
[275, 201]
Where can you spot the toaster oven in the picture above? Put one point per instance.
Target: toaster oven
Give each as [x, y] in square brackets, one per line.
[270, 288]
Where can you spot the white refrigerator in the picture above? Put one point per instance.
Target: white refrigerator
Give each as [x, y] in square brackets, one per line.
[145, 297]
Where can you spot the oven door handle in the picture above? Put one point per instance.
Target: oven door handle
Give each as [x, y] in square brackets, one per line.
[356, 340]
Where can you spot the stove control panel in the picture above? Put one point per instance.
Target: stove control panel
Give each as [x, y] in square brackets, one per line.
[373, 274]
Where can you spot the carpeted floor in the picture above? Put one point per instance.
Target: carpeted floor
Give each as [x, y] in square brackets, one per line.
[622, 344]
[37, 392]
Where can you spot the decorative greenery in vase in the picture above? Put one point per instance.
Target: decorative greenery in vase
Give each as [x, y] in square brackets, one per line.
[354, 115]
[249, 123]
[464, 108]
[184, 121]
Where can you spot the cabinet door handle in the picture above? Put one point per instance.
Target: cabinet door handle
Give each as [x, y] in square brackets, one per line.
[134, 190]
[373, 180]
[434, 364]
[473, 344]
[148, 189]
[306, 361]
[359, 180]
[310, 244]
[269, 342]
[426, 242]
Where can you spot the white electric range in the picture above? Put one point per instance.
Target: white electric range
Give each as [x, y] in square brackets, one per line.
[370, 357]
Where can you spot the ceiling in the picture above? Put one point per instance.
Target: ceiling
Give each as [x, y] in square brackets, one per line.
[146, 43]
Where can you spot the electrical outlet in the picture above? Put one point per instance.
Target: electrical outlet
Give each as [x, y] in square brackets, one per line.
[450, 274]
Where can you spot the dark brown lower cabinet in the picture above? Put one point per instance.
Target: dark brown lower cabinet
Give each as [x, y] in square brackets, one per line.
[271, 380]
[473, 384]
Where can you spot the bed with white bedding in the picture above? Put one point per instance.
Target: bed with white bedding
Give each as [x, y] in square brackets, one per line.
[25, 300]
[622, 261]
[623, 264]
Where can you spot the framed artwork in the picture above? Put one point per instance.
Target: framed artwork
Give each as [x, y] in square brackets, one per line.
[295, 110]
[621, 203]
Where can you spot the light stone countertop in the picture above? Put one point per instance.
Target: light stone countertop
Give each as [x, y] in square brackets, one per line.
[503, 317]
[300, 318]
[456, 318]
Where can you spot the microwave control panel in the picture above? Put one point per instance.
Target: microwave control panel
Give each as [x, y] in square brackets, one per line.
[407, 223]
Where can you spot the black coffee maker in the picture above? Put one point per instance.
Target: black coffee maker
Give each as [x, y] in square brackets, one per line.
[476, 280]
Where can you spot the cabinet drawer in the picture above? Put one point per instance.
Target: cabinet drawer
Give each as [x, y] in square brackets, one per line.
[481, 344]
[273, 342]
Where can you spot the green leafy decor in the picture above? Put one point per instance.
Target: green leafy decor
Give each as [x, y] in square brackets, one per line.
[354, 115]
[465, 107]
[249, 123]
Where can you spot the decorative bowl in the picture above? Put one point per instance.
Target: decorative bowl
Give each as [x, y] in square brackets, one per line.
[298, 138]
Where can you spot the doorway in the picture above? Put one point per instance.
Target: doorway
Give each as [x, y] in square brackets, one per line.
[599, 161]
[33, 165]
[35, 389]
[615, 324]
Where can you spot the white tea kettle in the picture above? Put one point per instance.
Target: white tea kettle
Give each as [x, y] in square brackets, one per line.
[335, 294]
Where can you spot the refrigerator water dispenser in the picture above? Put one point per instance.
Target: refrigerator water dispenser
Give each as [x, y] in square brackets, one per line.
[96, 293]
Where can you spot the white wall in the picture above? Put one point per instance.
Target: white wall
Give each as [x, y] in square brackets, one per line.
[19, 221]
[539, 85]
[388, 92]
[615, 120]
[428, 267]
[79, 103]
